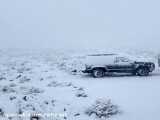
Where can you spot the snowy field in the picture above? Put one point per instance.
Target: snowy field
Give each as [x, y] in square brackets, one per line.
[42, 82]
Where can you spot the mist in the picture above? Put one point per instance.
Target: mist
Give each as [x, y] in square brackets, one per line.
[80, 24]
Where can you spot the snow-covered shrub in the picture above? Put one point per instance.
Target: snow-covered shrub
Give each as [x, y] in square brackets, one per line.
[59, 84]
[81, 94]
[24, 79]
[31, 90]
[1, 112]
[7, 89]
[12, 85]
[2, 78]
[102, 108]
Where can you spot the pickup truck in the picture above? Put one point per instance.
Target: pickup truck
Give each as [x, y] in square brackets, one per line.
[99, 64]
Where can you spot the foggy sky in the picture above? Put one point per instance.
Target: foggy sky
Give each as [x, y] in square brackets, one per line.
[80, 24]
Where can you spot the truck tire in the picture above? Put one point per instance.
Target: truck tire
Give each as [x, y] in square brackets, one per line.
[98, 73]
[143, 71]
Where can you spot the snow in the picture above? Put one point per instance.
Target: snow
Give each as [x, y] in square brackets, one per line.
[100, 60]
[42, 82]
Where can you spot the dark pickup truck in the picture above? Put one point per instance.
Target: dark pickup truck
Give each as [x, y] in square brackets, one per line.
[100, 64]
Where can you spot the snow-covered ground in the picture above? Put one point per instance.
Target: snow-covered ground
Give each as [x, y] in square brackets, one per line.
[42, 82]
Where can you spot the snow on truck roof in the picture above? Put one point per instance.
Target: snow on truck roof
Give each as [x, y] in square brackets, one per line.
[101, 54]
[110, 56]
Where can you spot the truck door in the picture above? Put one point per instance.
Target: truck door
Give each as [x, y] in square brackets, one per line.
[123, 64]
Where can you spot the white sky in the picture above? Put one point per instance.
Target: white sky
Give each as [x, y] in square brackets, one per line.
[80, 24]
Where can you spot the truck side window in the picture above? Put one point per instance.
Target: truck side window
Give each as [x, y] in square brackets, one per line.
[116, 60]
[121, 59]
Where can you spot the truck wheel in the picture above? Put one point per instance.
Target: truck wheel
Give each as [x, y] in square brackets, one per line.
[98, 73]
[143, 71]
